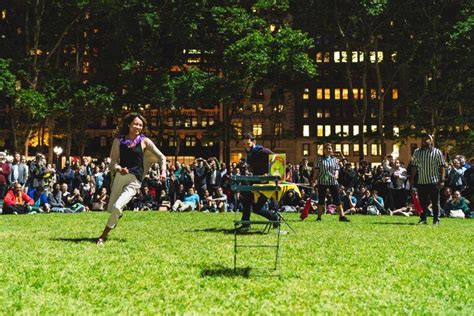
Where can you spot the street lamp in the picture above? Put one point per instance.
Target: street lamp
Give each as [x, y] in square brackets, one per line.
[58, 151]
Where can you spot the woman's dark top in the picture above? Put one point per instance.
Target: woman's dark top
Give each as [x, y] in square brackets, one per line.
[132, 158]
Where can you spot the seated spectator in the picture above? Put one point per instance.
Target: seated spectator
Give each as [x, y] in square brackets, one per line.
[218, 201]
[55, 200]
[376, 204]
[144, 201]
[458, 203]
[363, 200]
[164, 203]
[444, 199]
[100, 200]
[16, 201]
[40, 199]
[290, 202]
[190, 202]
[205, 202]
[74, 200]
[349, 202]
[403, 211]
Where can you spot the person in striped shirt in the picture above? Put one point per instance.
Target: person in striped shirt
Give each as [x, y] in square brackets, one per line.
[325, 175]
[429, 165]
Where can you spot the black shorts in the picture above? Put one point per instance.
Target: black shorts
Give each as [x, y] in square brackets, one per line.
[333, 189]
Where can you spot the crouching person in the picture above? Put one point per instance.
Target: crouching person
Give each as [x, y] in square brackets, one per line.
[16, 201]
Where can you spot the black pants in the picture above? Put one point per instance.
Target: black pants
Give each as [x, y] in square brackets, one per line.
[3, 190]
[249, 205]
[399, 198]
[10, 209]
[429, 193]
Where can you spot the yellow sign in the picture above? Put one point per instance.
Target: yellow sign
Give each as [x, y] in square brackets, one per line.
[277, 165]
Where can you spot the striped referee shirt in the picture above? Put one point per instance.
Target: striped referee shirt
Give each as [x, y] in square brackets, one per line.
[328, 166]
[427, 162]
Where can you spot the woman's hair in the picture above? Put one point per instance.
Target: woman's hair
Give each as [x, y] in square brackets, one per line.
[129, 119]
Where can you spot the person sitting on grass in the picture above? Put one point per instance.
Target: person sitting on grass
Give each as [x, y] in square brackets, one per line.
[55, 200]
[40, 198]
[458, 203]
[190, 202]
[100, 200]
[218, 201]
[349, 202]
[16, 201]
[376, 204]
[404, 211]
[74, 200]
[164, 203]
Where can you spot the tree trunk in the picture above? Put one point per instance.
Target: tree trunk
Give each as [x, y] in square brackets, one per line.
[69, 138]
[175, 135]
[13, 128]
[27, 141]
[51, 140]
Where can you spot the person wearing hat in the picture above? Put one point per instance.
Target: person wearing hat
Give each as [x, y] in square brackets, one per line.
[4, 174]
[429, 165]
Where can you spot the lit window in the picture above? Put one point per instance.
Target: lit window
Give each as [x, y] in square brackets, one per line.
[306, 94]
[305, 113]
[337, 147]
[373, 128]
[305, 130]
[356, 93]
[320, 149]
[361, 94]
[375, 149]
[327, 113]
[238, 128]
[345, 94]
[319, 131]
[396, 131]
[395, 149]
[257, 129]
[279, 129]
[327, 57]
[355, 57]
[279, 108]
[394, 57]
[4, 14]
[194, 121]
[364, 129]
[344, 57]
[103, 141]
[345, 149]
[361, 56]
[394, 94]
[364, 148]
[187, 122]
[319, 57]
[319, 94]
[211, 120]
[355, 149]
[373, 94]
[170, 121]
[327, 94]
[204, 121]
[207, 143]
[373, 113]
[305, 149]
[337, 94]
[327, 130]
[190, 141]
[345, 130]
[355, 130]
[337, 57]
[319, 113]
[257, 107]
[172, 142]
[337, 129]
[379, 55]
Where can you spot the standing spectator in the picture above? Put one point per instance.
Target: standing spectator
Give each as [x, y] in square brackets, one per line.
[98, 177]
[4, 174]
[67, 174]
[37, 171]
[305, 172]
[456, 176]
[86, 168]
[429, 166]
[469, 180]
[200, 172]
[398, 185]
[18, 170]
[213, 176]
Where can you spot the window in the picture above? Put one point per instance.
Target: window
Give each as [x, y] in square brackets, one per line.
[319, 57]
[396, 149]
[355, 130]
[327, 94]
[172, 142]
[170, 121]
[394, 94]
[257, 107]
[356, 93]
[194, 121]
[279, 108]
[345, 94]
[319, 113]
[327, 57]
[319, 94]
[373, 128]
[375, 149]
[204, 121]
[373, 94]
[337, 147]
[305, 113]
[394, 57]
[373, 113]
[337, 129]
[396, 131]
[337, 57]
[365, 129]
[103, 141]
[257, 129]
[327, 113]
[319, 131]
[238, 128]
[327, 130]
[306, 94]
[357, 57]
[373, 55]
[187, 122]
[337, 94]
[345, 149]
[305, 130]
[344, 57]
[355, 149]
[211, 120]
[345, 130]
[279, 129]
[190, 141]
[305, 149]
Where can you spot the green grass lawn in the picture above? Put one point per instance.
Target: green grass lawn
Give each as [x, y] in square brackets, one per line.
[182, 263]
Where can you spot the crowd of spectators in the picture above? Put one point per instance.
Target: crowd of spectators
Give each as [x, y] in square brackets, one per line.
[37, 186]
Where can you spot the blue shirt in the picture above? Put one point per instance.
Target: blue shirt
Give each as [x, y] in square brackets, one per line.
[192, 199]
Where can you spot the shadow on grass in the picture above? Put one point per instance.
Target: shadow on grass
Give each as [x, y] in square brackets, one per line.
[395, 223]
[226, 272]
[225, 231]
[84, 240]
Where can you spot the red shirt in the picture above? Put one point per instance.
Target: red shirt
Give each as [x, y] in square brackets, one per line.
[11, 199]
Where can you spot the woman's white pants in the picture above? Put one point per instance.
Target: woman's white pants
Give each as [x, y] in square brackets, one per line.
[124, 188]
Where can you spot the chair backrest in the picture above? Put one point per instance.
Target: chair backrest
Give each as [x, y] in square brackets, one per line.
[246, 183]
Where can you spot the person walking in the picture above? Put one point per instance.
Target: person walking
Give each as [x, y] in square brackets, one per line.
[131, 156]
[429, 165]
